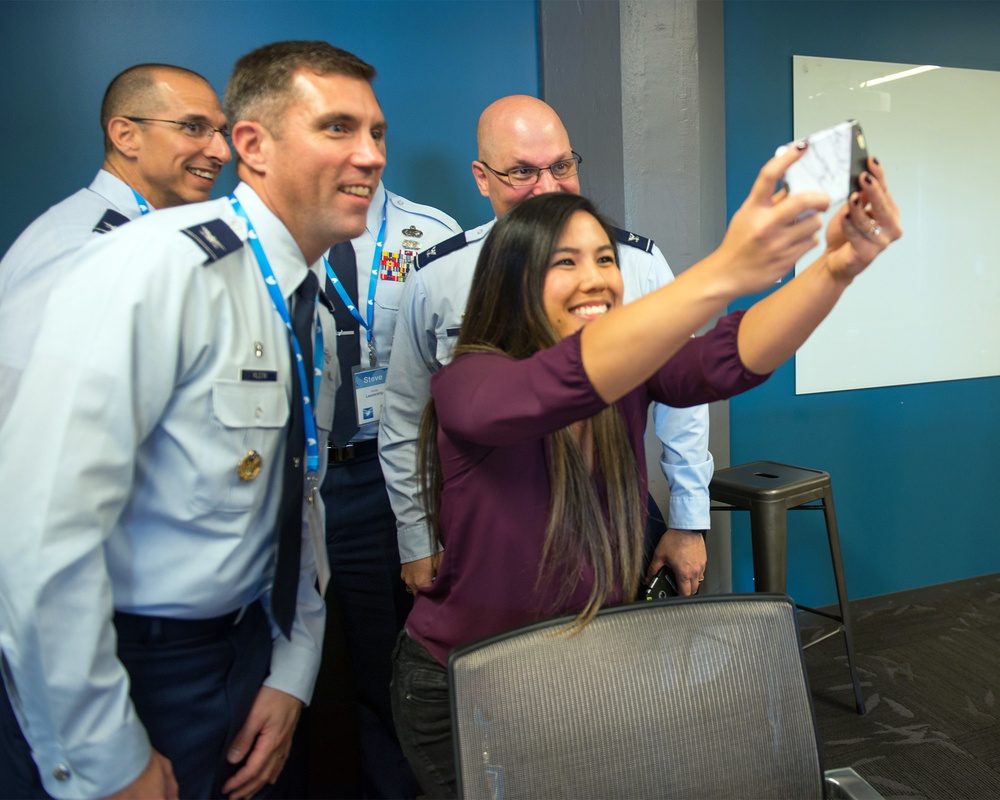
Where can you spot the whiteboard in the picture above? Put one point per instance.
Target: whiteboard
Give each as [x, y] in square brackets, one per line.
[928, 309]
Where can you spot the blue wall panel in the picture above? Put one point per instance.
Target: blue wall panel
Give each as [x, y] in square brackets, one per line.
[439, 63]
[914, 468]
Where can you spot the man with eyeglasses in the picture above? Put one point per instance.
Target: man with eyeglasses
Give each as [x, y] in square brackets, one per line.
[164, 145]
[161, 615]
[524, 150]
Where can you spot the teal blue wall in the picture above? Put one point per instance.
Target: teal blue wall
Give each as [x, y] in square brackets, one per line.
[439, 64]
[915, 468]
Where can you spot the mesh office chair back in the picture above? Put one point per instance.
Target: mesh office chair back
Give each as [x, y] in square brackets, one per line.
[694, 698]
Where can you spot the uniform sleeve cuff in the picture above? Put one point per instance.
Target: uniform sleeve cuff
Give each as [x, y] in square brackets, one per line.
[293, 669]
[690, 513]
[416, 542]
[96, 769]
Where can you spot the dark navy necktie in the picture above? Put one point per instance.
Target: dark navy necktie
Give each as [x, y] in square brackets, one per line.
[345, 266]
[284, 592]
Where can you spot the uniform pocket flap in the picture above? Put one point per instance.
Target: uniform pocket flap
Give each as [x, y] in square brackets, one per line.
[238, 404]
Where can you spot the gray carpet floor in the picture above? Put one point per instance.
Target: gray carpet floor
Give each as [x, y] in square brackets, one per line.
[929, 665]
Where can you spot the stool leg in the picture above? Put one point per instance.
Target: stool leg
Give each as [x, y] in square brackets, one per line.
[769, 535]
[838, 575]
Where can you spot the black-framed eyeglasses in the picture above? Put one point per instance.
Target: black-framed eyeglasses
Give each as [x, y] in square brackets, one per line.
[196, 129]
[528, 176]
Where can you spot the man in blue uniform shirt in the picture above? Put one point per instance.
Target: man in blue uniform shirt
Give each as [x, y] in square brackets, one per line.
[164, 145]
[365, 284]
[159, 607]
[524, 150]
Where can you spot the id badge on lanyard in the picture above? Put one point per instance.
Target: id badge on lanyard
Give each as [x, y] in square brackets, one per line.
[369, 382]
[369, 393]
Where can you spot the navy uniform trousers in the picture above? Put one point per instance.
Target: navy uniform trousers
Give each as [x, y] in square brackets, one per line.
[374, 604]
[192, 684]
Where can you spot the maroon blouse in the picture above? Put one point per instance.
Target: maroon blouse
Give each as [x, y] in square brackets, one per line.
[495, 414]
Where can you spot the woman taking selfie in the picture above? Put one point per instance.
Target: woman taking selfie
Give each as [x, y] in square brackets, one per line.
[534, 469]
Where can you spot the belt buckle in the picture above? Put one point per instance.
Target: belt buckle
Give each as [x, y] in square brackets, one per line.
[340, 454]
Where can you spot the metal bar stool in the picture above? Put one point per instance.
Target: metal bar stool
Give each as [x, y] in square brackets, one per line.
[768, 490]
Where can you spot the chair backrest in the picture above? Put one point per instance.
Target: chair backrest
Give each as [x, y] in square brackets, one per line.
[690, 698]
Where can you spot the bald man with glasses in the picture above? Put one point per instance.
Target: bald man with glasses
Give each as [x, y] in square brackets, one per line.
[524, 150]
[164, 145]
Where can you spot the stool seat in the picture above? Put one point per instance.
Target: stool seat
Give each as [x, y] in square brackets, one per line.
[768, 490]
[768, 482]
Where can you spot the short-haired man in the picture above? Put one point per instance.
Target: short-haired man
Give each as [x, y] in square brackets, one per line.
[159, 608]
[524, 150]
[164, 145]
[371, 273]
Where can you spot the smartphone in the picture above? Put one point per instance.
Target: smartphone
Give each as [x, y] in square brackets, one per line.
[833, 163]
[663, 585]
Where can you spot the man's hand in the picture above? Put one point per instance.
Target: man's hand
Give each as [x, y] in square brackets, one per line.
[155, 781]
[687, 556]
[266, 736]
[420, 573]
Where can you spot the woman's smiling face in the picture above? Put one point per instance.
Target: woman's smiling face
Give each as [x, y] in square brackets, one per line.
[583, 281]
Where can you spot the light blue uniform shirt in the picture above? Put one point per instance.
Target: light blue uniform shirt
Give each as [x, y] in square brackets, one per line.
[38, 257]
[426, 331]
[410, 229]
[153, 375]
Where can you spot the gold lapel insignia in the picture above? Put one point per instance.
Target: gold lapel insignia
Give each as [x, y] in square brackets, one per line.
[249, 466]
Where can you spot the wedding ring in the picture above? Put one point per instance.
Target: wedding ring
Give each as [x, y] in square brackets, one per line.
[876, 229]
[701, 579]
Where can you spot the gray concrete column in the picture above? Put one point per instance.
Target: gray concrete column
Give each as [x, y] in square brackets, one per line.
[640, 87]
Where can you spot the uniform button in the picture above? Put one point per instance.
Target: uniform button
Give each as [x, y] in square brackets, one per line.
[259, 412]
[61, 772]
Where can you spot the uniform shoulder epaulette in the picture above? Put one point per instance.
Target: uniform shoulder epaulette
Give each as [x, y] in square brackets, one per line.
[112, 219]
[435, 214]
[634, 240]
[450, 245]
[215, 237]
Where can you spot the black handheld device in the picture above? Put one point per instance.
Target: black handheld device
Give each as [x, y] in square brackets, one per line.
[833, 163]
[663, 585]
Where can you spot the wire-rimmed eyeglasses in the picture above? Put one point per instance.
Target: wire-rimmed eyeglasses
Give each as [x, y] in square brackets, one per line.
[528, 176]
[196, 129]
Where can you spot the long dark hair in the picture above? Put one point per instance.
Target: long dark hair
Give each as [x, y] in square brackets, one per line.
[506, 314]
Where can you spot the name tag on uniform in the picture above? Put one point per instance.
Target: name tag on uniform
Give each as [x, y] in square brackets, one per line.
[259, 375]
[369, 393]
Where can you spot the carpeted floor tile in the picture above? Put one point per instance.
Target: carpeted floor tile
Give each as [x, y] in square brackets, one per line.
[929, 665]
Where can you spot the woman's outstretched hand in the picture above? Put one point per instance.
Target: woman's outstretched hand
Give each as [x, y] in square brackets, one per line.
[771, 231]
[864, 227]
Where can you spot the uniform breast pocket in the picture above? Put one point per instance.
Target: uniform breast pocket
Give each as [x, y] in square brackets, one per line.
[239, 457]
[388, 295]
[446, 341]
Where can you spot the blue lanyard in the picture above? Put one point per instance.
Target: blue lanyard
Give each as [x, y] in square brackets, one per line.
[308, 409]
[143, 205]
[372, 285]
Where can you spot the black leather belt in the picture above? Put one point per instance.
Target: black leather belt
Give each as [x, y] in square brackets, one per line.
[140, 628]
[351, 451]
